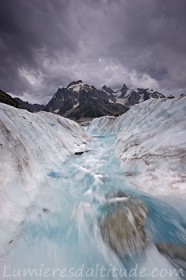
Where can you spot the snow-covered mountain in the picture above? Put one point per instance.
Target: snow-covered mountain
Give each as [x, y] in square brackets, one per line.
[130, 97]
[79, 100]
[82, 101]
[151, 144]
[31, 146]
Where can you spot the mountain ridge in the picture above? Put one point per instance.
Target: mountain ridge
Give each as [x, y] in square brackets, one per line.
[33, 107]
[81, 101]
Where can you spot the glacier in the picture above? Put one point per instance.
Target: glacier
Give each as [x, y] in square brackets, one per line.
[53, 197]
[151, 145]
[31, 146]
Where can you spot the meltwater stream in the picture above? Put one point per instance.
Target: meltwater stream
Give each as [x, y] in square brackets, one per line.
[60, 237]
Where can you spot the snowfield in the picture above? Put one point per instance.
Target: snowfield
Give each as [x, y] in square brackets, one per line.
[31, 145]
[151, 144]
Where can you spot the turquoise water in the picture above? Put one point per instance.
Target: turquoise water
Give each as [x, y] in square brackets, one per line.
[60, 230]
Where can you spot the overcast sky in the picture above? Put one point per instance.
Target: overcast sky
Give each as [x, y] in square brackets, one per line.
[45, 44]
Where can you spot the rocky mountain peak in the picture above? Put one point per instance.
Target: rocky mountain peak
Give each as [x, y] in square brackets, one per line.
[123, 91]
[74, 83]
[80, 100]
[124, 88]
[107, 89]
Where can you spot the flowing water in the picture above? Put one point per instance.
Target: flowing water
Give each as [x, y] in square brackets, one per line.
[60, 237]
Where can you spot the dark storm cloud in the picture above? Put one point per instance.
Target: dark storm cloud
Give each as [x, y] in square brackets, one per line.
[31, 31]
[47, 43]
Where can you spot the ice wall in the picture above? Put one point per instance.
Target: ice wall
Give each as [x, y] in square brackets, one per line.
[151, 143]
[31, 145]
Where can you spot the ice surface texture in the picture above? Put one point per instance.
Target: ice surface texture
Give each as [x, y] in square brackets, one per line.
[151, 143]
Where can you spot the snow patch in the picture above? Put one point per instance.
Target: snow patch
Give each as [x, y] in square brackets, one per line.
[120, 101]
[76, 105]
[76, 87]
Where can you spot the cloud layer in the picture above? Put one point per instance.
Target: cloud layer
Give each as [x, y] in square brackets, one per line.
[47, 44]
